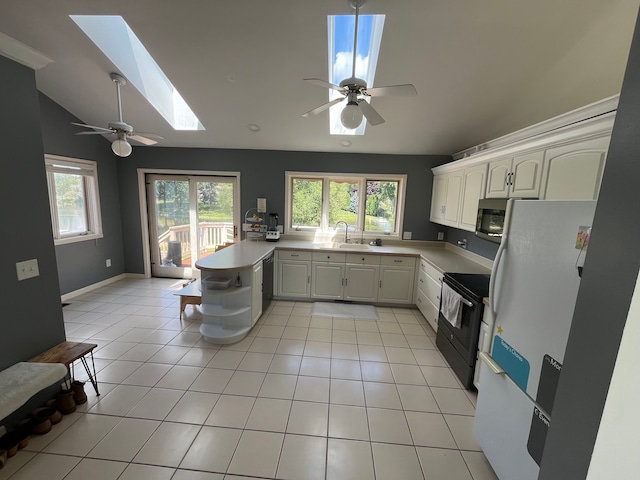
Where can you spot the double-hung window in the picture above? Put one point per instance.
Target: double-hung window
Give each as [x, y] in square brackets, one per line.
[73, 198]
[373, 203]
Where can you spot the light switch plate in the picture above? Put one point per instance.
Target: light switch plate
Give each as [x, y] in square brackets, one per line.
[406, 235]
[27, 269]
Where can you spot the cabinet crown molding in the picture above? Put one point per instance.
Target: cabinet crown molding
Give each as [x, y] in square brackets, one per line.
[591, 121]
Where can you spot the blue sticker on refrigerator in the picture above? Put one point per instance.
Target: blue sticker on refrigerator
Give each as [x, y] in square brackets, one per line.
[516, 366]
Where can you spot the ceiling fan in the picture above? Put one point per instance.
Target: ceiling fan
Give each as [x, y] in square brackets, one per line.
[354, 91]
[121, 130]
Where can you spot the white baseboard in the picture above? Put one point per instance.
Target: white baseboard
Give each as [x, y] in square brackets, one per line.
[136, 275]
[94, 286]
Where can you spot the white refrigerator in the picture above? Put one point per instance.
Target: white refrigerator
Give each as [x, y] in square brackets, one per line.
[533, 291]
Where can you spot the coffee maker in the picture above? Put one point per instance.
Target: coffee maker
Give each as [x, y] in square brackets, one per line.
[272, 235]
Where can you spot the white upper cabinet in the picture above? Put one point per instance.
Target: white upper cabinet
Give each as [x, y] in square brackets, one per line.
[517, 177]
[445, 198]
[574, 171]
[475, 179]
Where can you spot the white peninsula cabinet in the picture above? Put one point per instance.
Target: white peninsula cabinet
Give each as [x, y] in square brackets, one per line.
[293, 273]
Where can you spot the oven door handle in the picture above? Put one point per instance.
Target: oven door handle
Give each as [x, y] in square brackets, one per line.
[466, 302]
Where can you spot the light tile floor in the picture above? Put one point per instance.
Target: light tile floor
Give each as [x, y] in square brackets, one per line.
[300, 398]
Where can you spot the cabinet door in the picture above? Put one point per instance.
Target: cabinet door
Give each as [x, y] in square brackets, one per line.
[256, 293]
[498, 178]
[396, 284]
[327, 280]
[294, 279]
[474, 186]
[527, 173]
[438, 198]
[574, 172]
[361, 283]
[452, 198]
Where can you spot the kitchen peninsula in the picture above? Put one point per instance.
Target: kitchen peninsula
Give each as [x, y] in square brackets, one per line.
[232, 278]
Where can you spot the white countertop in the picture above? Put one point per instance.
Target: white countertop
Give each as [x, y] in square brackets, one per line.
[445, 257]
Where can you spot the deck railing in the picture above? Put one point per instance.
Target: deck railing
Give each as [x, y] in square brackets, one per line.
[212, 234]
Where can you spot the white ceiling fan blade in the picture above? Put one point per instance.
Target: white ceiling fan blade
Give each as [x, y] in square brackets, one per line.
[322, 83]
[96, 133]
[324, 107]
[100, 129]
[406, 90]
[143, 140]
[370, 113]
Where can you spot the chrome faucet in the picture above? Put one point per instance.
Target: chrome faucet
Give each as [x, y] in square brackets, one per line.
[346, 230]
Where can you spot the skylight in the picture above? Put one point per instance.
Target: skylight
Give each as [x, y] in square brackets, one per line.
[117, 41]
[341, 29]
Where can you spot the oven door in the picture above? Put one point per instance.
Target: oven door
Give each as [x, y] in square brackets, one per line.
[464, 339]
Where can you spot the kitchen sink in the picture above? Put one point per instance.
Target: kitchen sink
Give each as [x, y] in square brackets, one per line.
[349, 246]
[355, 246]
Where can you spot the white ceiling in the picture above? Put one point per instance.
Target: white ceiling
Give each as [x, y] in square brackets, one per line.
[482, 68]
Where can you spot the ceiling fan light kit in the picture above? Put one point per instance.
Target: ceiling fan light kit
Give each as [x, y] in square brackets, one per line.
[120, 129]
[355, 91]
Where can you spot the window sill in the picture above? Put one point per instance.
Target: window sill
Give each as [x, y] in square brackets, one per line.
[78, 238]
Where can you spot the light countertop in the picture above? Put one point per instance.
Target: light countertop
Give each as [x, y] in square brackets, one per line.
[444, 257]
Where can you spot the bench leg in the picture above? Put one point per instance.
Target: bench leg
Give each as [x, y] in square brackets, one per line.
[92, 377]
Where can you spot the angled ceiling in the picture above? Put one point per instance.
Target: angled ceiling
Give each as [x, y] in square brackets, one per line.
[482, 68]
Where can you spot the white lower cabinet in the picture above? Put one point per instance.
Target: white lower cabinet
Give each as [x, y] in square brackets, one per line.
[428, 292]
[294, 274]
[327, 280]
[396, 279]
[361, 283]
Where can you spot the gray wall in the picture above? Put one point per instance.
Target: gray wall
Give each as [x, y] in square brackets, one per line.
[32, 313]
[84, 263]
[475, 244]
[263, 175]
[609, 277]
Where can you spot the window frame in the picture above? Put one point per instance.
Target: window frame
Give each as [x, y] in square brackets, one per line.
[361, 179]
[89, 171]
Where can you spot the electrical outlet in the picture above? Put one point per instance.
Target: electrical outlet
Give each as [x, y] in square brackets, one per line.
[406, 235]
[440, 235]
[27, 269]
[108, 262]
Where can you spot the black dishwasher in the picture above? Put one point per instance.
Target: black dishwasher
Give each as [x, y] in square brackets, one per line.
[267, 282]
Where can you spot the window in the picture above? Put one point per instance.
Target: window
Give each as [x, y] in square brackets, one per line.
[340, 36]
[119, 43]
[74, 199]
[373, 203]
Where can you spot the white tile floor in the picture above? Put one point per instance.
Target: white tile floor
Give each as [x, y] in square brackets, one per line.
[300, 398]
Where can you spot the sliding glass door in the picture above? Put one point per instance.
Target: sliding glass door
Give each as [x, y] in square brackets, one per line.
[189, 217]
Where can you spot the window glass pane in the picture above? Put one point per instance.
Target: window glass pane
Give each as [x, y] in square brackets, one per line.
[306, 203]
[380, 206]
[71, 203]
[343, 202]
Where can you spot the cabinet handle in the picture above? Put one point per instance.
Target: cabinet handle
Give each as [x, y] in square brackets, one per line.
[380, 284]
[295, 255]
[363, 259]
[346, 282]
[397, 261]
[308, 278]
[421, 281]
[328, 256]
[419, 300]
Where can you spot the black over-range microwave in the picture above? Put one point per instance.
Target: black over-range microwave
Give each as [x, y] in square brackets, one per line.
[491, 216]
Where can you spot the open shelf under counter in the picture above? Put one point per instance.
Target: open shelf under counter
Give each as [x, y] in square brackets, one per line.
[223, 311]
[228, 292]
[220, 335]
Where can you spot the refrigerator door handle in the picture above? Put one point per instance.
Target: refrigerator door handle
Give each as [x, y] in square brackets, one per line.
[494, 274]
[491, 363]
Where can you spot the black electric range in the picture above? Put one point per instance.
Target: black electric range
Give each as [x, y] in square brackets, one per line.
[459, 345]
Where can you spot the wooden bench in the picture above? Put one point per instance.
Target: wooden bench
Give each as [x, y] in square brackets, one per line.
[189, 295]
[67, 353]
